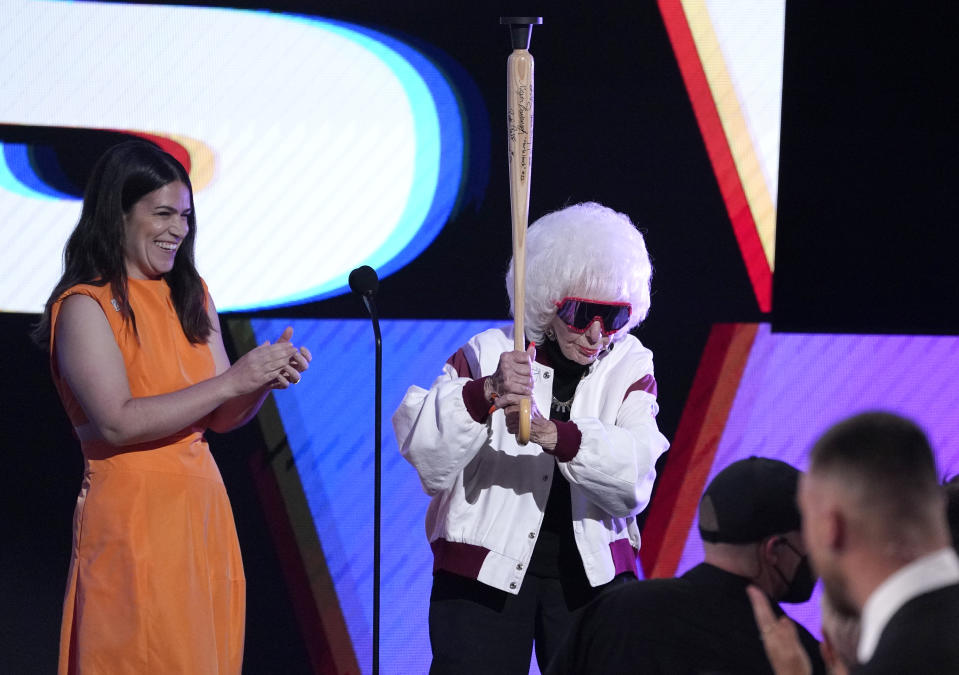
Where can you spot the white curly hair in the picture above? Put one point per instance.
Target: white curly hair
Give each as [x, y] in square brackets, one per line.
[587, 251]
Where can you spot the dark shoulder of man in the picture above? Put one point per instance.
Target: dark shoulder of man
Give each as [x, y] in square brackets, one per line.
[621, 630]
[663, 626]
[920, 637]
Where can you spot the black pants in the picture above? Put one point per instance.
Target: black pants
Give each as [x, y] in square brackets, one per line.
[475, 628]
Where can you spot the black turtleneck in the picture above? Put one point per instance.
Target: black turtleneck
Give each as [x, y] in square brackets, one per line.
[555, 555]
[566, 375]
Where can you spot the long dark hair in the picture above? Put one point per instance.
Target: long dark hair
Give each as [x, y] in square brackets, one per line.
[94, 253]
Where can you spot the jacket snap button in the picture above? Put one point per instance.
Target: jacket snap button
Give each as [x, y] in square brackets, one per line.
[512, 586]
[545, 478]
[519, 566]
[532, 535]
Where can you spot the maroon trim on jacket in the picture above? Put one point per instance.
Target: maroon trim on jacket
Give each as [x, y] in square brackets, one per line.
[646, 383]
[568, 440]
[474, 391]
[467, 559]
[474, 396]
[460, 363]
[458, 558]
[624, 556]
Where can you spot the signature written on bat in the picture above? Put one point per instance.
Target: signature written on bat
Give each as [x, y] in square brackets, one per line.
[519, 122]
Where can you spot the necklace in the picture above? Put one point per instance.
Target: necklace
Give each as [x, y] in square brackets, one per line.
[563, 406]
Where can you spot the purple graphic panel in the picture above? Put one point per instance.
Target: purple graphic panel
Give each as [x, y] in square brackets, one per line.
[797, 385]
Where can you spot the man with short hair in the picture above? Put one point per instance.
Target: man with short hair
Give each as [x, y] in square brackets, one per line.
[703, 622]
[876, 531]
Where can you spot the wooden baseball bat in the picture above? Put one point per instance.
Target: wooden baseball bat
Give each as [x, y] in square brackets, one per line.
[519, 128]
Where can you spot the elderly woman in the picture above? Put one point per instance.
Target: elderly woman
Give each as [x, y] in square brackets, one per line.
[522, 536]
[156, 581]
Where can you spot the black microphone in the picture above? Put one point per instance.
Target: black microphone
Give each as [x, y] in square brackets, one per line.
[364, 282]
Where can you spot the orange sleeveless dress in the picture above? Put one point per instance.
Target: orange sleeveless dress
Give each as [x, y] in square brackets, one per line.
[156, 581]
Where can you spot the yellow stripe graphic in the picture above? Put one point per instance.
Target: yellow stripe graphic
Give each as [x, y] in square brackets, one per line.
[734, 125]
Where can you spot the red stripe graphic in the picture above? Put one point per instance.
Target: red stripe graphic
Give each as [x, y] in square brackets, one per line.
[694, 447]
[720, 154]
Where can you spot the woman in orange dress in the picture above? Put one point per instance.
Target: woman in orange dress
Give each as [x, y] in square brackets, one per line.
[156, 580]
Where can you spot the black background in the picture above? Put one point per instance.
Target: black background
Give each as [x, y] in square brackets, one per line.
[866, 235]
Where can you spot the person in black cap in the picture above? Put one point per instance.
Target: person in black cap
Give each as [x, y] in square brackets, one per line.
[702, 622]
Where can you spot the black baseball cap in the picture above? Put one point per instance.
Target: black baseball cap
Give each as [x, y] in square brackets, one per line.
[752, 499]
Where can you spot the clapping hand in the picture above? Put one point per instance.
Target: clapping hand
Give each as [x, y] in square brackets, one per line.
[298, 362]
[270, 366]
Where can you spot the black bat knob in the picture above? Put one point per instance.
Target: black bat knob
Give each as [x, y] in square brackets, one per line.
[520, 29]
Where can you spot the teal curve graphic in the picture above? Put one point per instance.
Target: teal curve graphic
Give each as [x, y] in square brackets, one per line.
[365, 154]
[440, 147]
[23, 173]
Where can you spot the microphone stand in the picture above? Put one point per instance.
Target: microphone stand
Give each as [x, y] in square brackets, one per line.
[377, 474]
[364, 282]
[377, 478]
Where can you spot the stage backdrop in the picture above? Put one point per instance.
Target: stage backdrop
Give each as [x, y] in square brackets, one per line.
[786, 179]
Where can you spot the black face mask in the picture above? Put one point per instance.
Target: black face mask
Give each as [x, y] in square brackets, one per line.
[803, 581]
